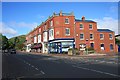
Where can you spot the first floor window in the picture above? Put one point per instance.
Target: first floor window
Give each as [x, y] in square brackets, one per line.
[39, 38]
[91, 36]
[81, 36]
[90, 26]
[66, 21]
[110, 36]
[101, 36]
[51, 23]
[35, 39]
[81, 26]
[111, 46]
[67, 31]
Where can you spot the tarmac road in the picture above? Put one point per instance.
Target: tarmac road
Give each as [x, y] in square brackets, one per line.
[22, 65]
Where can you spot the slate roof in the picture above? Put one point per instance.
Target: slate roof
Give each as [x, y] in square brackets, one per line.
[78, 20]
[104, 30]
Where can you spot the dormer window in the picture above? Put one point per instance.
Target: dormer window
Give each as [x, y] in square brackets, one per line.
[66, 20]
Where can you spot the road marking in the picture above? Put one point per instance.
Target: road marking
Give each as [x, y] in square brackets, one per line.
[96, 71]
[37, 69]
[42, 72]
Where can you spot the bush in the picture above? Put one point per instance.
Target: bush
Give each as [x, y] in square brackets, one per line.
[90, 50]
[74, 51]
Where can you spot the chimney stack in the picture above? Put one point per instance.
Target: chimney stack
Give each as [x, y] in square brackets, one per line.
[83, 18]
[60, 13]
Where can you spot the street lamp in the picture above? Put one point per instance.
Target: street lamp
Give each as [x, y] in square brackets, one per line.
[87, 45]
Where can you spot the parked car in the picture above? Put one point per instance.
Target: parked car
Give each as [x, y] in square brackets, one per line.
[13, 51]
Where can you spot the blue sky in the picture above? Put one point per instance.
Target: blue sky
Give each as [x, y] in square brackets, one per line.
[21, 17]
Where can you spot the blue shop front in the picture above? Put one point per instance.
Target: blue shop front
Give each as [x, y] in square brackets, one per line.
[60, 45]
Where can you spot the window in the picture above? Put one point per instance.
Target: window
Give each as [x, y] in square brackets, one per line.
[101, 36]
[110, 36]
[39, 29]
[51, 23]
[90, 26]
[45, 37]
[111, 47]
[67, 31]
[102, 47]
[39, 38]
[91, 36]
[35, 39]
[45, 27]
[51, 32]
[66, 21]
[92, 45]
[81, 36]
[81, 26]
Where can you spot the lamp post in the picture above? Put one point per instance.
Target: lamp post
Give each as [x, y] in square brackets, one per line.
[87, 46]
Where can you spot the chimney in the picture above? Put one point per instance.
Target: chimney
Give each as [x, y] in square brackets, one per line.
[83, 18]
[60, 13]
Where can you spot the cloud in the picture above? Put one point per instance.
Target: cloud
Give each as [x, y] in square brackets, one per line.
[114, 9]
[13, 28]
[23, 24]
[5, 29]
[107, 23]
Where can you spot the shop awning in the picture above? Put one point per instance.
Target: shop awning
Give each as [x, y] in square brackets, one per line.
[36, 46]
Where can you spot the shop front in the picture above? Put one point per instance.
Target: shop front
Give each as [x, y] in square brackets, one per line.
[60, 45]
[37, 47]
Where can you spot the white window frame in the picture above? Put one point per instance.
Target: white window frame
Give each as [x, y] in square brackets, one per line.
[109, 36]
[68, 20]
[69, 31]
[35, 39]
[90, 28]
[82, 26]
[51, 23]
[39, 30]
[110, 46]
[51, 34]
[100, 36]
[102, 47]
[92, 36]
[45, 39]
[83, 36]
[39, 38]
[45, 27]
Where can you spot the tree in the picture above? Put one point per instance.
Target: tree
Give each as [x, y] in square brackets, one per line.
[16, 40]
[4, 42]
[117, 41]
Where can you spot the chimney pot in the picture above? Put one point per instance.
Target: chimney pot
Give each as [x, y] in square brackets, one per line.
[61, 13]
[83, 18]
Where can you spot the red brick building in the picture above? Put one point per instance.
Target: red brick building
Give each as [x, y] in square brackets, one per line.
[62, 31]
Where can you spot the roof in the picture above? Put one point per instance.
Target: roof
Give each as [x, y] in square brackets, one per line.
[104, 30]
[78, 20]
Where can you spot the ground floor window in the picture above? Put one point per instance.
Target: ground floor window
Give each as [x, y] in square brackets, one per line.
[92, 45]
[60, 47]
[111, 46]
[102, 47]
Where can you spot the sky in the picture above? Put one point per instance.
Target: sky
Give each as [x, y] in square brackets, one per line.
[21, 17]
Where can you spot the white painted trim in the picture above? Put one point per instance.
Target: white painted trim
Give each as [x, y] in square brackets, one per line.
[62, 41]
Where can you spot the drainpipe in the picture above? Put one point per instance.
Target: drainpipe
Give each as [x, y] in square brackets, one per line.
[74, 33]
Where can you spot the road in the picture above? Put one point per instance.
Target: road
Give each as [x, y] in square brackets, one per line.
[40, 66]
